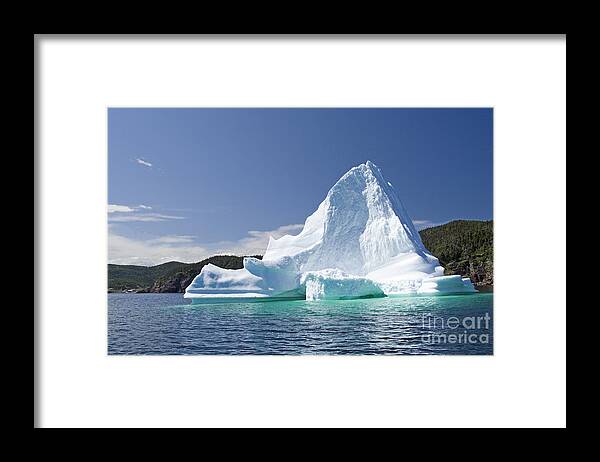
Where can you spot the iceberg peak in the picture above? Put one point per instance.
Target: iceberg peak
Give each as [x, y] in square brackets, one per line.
[359, 227]
[367, 170]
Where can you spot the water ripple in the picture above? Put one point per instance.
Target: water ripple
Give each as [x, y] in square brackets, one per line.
[164, 324]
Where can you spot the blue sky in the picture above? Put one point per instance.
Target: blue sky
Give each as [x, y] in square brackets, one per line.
[185, 184]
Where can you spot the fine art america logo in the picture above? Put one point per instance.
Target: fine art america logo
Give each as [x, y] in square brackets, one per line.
[465, 330]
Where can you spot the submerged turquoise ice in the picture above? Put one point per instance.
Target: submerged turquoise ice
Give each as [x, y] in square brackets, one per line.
[166, 324]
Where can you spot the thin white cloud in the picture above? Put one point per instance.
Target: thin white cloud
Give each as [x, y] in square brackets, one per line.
[143, 162]
[127, 214]
[172, 239]
[112, 208]
[142, 217]
[423, 224]
[256, 242]
[128, 251]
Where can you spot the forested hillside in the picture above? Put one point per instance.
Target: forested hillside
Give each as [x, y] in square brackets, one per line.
[464, 247]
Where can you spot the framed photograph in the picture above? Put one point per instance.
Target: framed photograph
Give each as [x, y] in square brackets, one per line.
[290, 231]
[242, 252]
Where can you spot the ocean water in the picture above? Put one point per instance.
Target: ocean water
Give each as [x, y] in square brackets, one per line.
[167, 324]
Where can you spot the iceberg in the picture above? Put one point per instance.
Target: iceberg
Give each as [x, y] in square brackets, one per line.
[360, 242]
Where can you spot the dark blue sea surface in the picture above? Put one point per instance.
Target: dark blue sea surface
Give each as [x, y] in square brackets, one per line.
[167, 324]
